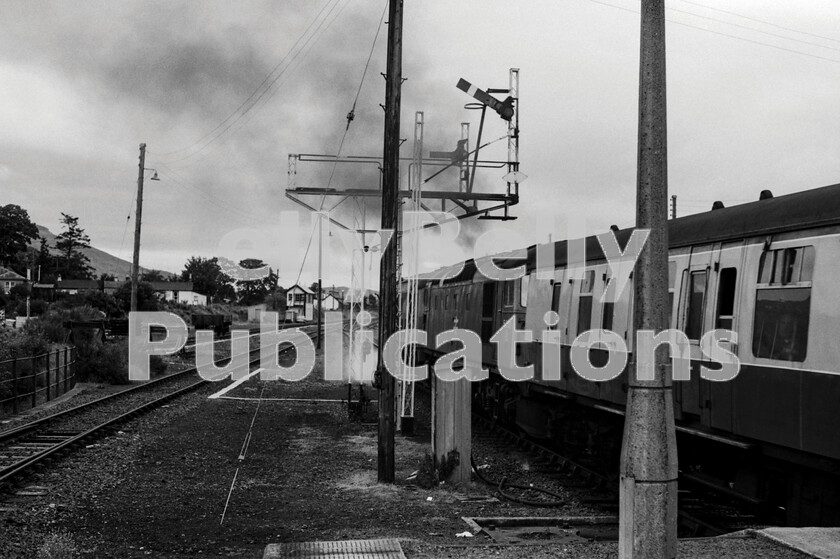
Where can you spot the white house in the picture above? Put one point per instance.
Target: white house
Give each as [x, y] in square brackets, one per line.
[179, 291]
[9, 278]
[299, 300]
[255, 312]
[330, 303]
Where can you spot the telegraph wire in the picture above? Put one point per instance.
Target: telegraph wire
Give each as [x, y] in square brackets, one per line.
[736, 37]
[762, 21]
[352, 114]
[741, 26]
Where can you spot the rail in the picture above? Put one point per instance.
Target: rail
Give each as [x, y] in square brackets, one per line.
[26, 382]
[39, 431]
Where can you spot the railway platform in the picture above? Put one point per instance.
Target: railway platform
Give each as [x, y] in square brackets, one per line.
[820, 543]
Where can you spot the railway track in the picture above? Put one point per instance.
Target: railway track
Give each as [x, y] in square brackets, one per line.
[31, 445]
[700, 514]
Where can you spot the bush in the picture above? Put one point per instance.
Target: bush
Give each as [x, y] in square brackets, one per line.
[106, 362]
[104, 302]
[22, 343]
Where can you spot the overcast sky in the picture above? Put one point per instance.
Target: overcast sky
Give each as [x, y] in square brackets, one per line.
[222, 92]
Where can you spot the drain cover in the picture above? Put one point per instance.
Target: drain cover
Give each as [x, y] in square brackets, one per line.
[357, 549]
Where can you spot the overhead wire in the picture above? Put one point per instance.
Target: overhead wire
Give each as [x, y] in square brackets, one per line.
[762, 21]
[728, 35]
[341, 143]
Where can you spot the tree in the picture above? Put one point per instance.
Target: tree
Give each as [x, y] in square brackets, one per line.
[146, 298]
[255, 291]
[73, 263]
[16, 232]
[45, 261]
[276, 300]
[207, 277]
[153, 275]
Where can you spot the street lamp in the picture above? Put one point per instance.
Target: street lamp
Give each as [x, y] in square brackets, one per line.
[135, 266]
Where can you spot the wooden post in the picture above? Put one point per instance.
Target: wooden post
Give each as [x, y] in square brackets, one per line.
[648, 473]
[135, 265]
[47, 363]
[73, 364]
[33, 363]
[388, 280]
[15, 384]
[65, 369]
[451, 431]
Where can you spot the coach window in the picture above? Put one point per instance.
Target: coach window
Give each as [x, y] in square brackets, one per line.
[555, 300]
[585, 302]
[726, 298]
[507, 293]
[696, 298]
[467, 297]
[783, 304]
[523, 291]
[672, 278]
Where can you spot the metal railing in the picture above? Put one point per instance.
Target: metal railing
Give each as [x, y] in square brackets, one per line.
[26, 382]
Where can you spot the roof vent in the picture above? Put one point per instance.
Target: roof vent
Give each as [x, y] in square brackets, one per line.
[765, 195]
[614, 228]
[718, 205]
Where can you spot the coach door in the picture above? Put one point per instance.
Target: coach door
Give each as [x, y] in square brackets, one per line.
[694, 298]
[721, 313]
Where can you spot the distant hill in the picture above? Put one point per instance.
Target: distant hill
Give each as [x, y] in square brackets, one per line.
[100, 261]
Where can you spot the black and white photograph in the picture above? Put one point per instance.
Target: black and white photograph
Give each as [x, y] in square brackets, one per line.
[419, 280]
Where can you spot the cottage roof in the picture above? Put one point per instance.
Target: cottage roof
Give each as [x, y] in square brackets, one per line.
[8, 274]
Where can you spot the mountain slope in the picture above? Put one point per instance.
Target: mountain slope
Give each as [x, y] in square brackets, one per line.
[101, 261]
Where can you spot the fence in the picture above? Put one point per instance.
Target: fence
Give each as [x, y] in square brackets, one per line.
[26, 382]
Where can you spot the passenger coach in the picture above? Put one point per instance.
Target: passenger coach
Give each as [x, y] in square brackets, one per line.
[767, 270]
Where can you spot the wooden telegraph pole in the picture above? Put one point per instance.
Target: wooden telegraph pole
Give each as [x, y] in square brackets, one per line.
[388, 280]
[135, 265]
[648, 475]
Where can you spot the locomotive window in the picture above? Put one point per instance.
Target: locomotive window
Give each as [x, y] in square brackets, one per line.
[696, 297]
[726, 298]
[780, 328]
